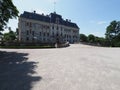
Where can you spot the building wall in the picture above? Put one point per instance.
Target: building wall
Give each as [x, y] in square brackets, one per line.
[42, 32]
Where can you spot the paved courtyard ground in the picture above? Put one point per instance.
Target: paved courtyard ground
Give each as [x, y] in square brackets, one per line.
[78, 67]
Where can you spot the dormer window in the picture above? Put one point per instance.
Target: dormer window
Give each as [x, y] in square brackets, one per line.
[57, 20]
[53, 27]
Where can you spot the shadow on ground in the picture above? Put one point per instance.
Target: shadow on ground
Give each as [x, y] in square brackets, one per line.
[16, 72]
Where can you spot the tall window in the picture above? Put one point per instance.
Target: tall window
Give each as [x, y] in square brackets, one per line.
[27, 38]
[44, 33]
[33, 33]
[61, 28]
[40, 33]
[47, 34]
[32, 39]
[61, 34]
[30, 24]
[27, 24]
[57, 27]
[53, 27]
[27, 32]
[34, 25]
[30, 31]
[53, 33]
[43, 39]
[48, 27]
[57, 20]
[65, 35]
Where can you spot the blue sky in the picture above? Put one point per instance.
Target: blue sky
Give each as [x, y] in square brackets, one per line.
[92, 16]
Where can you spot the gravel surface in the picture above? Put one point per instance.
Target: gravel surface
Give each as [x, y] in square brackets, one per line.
[78, 67]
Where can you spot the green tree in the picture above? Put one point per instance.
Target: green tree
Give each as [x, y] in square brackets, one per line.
[111, 30]
[7, 11]
[83, 38]
[10, 36]
[91, 38]
[113, 33]
[97, 39]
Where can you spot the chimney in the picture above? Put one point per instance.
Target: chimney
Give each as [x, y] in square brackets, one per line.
[34, 11]
[42, 14]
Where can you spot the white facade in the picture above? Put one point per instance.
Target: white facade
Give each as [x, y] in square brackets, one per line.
[31, 30]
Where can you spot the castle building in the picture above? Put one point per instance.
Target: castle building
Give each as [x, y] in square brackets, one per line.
[40, 28]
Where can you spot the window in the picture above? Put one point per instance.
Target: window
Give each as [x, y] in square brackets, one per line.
[34, 25]
[27, 38]
[44, 34]
[48, 27]
[30, 31]
[40, 33]
[27, 24]
[57, 27]
[43, 39]
[61, 34]
[53, 33]
[27, 32]
[33, 33]
[65, 35]
[32, 39]
[57, 20]
[57, 34]
[42, 27]
[53, 27]
[30, 24]
[47, 34]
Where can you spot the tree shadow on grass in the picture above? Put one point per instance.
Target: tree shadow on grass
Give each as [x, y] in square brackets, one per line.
[16, 72]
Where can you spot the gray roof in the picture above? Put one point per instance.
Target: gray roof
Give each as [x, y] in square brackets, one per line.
[48, 18]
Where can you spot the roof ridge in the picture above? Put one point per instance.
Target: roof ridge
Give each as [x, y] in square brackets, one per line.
[51, 19]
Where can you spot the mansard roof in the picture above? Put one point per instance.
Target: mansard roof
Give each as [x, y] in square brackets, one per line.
[49, 18]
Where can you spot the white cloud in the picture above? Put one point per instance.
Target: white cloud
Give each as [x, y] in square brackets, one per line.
[101, 22]
[98, 22]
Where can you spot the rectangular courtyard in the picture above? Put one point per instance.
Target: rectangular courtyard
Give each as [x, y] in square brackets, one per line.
[78, 67]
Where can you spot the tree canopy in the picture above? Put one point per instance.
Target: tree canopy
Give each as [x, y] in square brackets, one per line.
[113, 33]
[83, 38]
[91, 38]
[10, 36]
[7, 11]
[112, 36]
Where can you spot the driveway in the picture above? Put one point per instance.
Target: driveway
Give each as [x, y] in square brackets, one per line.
[78, 67]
